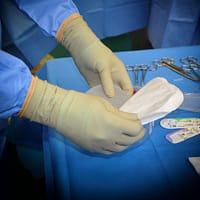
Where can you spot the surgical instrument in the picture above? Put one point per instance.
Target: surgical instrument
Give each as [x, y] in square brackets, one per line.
[135, 73]
[169, 62]
[190, 64]
[190, 60]
[139, 71]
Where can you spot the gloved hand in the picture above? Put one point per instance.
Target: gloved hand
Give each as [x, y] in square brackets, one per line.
[89, 121]
[97, 63]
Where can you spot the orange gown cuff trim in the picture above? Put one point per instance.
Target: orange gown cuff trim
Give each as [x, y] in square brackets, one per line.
[64, 25]
[28, 96]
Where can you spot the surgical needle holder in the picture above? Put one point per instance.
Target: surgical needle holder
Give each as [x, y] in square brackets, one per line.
[169, 62]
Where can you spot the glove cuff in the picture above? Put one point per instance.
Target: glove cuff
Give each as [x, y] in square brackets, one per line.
[75, 35]
[65, 24]
[43, 102]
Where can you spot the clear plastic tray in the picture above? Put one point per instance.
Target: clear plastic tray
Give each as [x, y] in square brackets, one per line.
[191, 102]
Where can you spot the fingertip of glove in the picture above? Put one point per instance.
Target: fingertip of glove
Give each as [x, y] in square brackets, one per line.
[109, 92]
[129, 92]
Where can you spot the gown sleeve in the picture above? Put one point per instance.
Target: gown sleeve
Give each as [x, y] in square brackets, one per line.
[48, 14]
[15, 79]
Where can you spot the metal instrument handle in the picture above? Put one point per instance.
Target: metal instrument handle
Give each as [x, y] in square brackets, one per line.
[178, 70]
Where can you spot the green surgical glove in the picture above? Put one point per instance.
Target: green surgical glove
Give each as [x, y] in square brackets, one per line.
[97, 63]
[89, 121]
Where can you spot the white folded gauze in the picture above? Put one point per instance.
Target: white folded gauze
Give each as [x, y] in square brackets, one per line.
[155, 100]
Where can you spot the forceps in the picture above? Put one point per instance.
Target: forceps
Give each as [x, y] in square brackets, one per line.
[169, 62]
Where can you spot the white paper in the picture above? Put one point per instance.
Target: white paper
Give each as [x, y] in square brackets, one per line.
[195, 161]
[154, 101]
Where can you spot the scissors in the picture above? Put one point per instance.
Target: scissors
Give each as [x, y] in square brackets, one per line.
[190, 64]
[185, 71]
[190, 60]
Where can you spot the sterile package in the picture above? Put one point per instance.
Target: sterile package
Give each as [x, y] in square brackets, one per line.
[118, 100]
[153, 101]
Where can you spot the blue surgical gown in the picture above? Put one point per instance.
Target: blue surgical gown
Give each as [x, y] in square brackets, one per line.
[15, 76]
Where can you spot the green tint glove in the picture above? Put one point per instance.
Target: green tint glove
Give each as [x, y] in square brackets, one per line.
[97, 63]
[89, 121]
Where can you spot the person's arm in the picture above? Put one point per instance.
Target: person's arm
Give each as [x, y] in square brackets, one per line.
[15, 79]
[89, 121]
[48, 14]
[97, 63]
